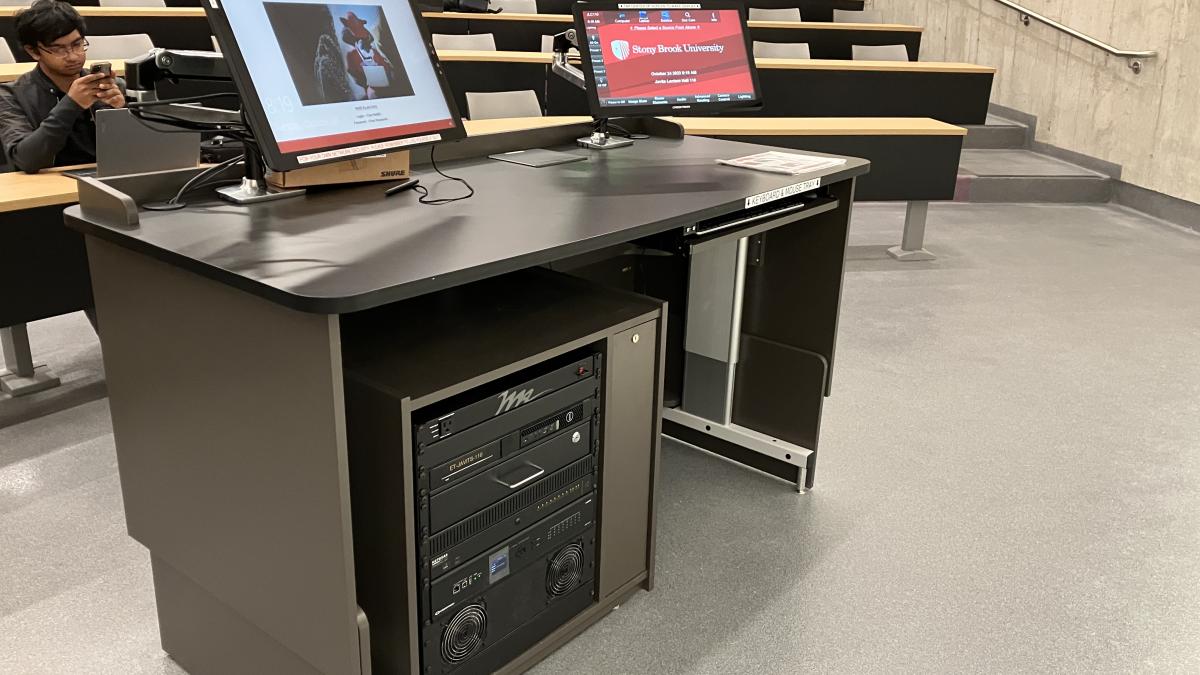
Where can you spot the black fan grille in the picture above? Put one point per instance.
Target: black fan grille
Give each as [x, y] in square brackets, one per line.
[464, 634]
[565, 569]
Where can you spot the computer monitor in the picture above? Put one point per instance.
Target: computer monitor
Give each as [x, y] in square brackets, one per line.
[666, 58]
[324, 82]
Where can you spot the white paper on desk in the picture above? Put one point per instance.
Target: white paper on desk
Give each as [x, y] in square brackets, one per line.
[787, 163]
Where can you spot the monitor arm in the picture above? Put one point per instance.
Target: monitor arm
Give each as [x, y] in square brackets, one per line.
[144, 73]
[563, 43]
[600, 138]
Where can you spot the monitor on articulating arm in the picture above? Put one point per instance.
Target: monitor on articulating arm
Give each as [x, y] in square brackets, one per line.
[324, 82]
[649, 59]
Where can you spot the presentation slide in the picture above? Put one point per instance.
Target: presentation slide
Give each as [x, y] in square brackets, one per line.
[334, 74]
[661, 56]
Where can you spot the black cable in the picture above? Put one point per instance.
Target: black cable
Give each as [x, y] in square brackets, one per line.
[142, 112]
[626, 133]
[184, 122]
[215, 182]
[185, 126]
[424, 192]
[133, 105]
[210, 171]
[182, 126]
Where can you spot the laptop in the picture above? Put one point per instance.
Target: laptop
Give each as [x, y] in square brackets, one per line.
[126, 145]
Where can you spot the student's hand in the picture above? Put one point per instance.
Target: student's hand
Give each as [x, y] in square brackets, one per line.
[86, 90]
[110, 94]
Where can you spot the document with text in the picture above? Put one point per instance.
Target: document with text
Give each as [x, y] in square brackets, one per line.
[787, 163]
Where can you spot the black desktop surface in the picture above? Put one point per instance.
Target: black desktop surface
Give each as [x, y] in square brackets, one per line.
[336, 251]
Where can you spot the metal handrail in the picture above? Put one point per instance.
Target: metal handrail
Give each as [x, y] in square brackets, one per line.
[1135, 57]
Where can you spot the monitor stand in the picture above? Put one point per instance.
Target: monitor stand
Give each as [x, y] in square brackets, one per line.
[254, 188]
[601, 139]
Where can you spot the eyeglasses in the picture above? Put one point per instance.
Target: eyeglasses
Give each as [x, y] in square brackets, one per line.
[61, 51]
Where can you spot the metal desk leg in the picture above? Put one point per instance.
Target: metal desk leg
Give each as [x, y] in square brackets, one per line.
[912, 246]
[23, 376]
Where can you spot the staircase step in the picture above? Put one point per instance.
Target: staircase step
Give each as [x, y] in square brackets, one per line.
[1025, 176]
[997, 133]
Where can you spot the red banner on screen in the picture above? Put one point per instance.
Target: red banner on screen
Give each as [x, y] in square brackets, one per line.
[664, 54]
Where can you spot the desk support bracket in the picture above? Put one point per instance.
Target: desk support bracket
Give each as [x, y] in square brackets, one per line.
[23, 376]
[731, 434]
[912, 244]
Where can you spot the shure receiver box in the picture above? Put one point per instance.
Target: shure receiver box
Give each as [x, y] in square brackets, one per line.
[394, 166]
[503, 440]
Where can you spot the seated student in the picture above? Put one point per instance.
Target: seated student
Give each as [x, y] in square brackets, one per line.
[47, 114]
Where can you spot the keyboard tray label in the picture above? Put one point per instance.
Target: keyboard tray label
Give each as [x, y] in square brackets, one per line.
[782, 193]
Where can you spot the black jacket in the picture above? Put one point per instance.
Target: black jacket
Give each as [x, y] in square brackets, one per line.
[40, 126]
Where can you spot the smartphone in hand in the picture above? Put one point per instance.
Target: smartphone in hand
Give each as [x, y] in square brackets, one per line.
[101, 67]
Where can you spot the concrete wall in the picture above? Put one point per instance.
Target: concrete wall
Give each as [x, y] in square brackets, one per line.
[1085, 100]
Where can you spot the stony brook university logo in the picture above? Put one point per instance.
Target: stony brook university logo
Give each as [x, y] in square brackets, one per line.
[513, 399]
[620, 49]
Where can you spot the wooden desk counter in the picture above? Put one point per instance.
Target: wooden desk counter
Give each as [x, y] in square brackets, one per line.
[816, 126]
[749, 126]
[830, 26]
[502, 16]
[458, 55]
[11, 71]
[21, 191]
[500, 126]
[873, 66]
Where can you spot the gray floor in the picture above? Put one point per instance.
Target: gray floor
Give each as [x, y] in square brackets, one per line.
[1009, 482]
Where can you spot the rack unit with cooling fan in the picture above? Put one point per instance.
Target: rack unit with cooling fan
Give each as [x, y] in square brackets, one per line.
[502, 478]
